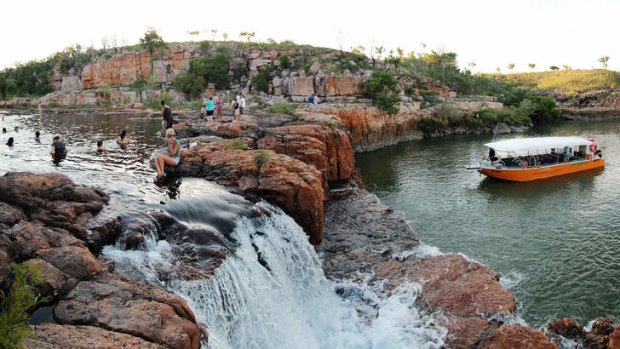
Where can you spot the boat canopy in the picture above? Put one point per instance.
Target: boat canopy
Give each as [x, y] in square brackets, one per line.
[537, 145]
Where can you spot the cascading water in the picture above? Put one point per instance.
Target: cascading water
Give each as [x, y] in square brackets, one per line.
[272, 293]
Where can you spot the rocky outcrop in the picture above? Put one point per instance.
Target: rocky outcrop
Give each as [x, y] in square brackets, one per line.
[327, 149]
[364, 237]
[373, 129]
[43, 225]
[291, 184]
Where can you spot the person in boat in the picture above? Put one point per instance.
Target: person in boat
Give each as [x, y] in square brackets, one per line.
[569, 154]
[492, 155]
[172, 156]
[58, 150]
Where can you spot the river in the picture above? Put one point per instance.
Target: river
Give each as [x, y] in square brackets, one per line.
[555, 242]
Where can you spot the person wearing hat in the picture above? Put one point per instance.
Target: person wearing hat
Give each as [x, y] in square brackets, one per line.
[58, 150]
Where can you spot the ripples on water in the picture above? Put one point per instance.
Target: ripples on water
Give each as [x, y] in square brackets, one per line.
[556, 240]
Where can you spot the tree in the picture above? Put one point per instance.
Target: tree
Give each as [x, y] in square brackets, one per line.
[603, 60]
[554, 68]
[511, 66]
[213, 32]
[531, 65]
[152, 41]
[225, 36]
[247, 35]
[567, 67]
[382, 88]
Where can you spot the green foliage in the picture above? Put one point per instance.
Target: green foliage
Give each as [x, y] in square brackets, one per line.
[285, 61]
[29, 79]
[106, 95]
[262, 158]
[155, 103]
[205, 46]
[282, 108]
[260, 81]
[566, 81]
[152, 41]
[72, 60]
[239, 144]
[16, 305]
[544, 109]
[204, 70]
[382, 88]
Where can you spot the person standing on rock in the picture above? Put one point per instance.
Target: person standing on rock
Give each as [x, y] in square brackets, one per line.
[219, 105]
[234, 105]
[210, 107]
[310, 102]
[315, 103]
[166, 114]
[241, 104]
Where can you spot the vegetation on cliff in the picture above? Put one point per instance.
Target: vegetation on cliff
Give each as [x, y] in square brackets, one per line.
[567, 82]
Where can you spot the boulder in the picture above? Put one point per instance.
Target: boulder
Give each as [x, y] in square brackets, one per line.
[516, 337]
[463, 332]
[53, 336]
[75, 261]
[131, 307]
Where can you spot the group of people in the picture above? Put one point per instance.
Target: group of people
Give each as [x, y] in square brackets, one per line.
[237, 105]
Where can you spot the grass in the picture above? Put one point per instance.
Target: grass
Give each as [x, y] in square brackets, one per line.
[565, 81]
[282, 108]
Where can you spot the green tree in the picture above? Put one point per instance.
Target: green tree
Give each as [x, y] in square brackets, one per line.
[151, 42]
[203, 70]
[554, 67]
[603, 60]
[260, 81]
[382, 88]
[543, 109]
[531, 65]
[511, 66]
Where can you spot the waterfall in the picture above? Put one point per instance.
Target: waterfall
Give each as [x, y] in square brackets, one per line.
[272, 293]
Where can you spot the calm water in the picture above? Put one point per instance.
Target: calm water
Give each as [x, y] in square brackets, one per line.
[555, 242]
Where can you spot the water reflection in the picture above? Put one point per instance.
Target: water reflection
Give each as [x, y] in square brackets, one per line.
[560, 236]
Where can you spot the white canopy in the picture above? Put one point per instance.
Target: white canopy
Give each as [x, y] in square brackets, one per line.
[537, 145]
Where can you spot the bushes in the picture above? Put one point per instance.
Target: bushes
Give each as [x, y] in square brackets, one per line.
[382, 88]
[260, 81]
[543, 109]
[30, 79]
[204, 70]
[282, 108]
[15, 306]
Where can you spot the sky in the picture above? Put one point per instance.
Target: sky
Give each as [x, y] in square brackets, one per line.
[485, 34]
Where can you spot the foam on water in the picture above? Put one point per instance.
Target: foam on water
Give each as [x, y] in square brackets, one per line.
[273, 294]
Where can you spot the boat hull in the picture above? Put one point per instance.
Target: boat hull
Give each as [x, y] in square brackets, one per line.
[536, 173]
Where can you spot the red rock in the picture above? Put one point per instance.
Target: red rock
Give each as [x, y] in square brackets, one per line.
[56, 282]
[453, 284]
[567, 328]
[344, 85]
[327, 149]
[53, 336]
[614, 339]
[463, 332]
[29, 237]
[75, 261]
[516, 337]
[130, 307]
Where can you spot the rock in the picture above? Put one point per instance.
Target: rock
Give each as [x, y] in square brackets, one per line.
[29, 237]
[327, 149]
[314, 68]
[614, 339]
[53, 336]
[75, 261]
[463, 332]
[455, 285]
[344, 85]
[300, 86]
[130, 307]
[291, 184]
[56, 283]
[52, 199]
[567, 328]
[9, 215]
[516, 337]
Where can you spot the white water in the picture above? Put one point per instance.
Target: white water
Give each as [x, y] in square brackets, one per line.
[288, 303]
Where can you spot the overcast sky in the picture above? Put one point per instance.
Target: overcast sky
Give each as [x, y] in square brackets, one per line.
[488, 33]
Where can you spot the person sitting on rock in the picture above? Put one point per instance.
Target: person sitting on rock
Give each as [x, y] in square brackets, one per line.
[173, 148]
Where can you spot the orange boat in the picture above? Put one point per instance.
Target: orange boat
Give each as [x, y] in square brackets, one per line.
[530, 159]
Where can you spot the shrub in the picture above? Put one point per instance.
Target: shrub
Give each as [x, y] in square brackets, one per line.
[262, 158]
[15, 306]
[282, 108]
[260, 81]
[382, 88]
[544, 109]
[204, 70]
[285, 61]
[239, 144]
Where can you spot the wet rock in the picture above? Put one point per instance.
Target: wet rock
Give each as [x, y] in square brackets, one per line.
[600, 334]
[453, 284]
[103, 234]
[52, 199]
[463, 332]
[53, 336]
[289, 183]
[614, 339]
[121, 305]
[516, 337]
[567, 328]
[10, 215]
